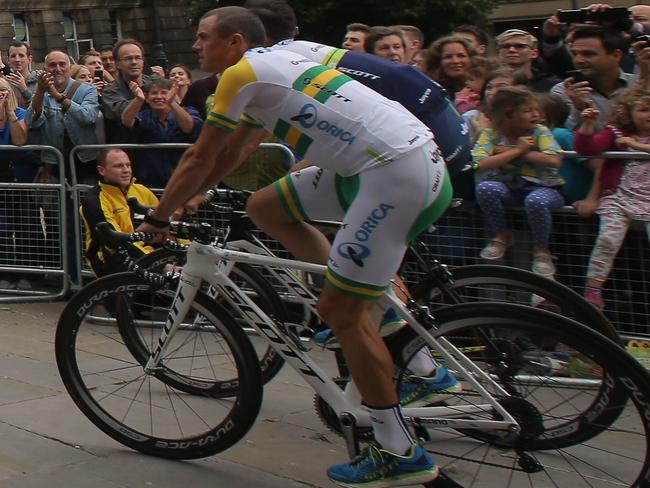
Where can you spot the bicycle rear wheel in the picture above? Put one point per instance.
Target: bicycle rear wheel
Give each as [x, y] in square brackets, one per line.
[254, 285]
[580, 400]
[485, 282]
[202, 399]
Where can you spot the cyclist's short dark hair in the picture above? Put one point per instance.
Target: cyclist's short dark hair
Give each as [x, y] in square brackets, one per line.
[278, 18]
[238, 20]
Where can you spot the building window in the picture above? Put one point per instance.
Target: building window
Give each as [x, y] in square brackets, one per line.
[21, 32]
[69, 28]
[116, 26]
[73, 45]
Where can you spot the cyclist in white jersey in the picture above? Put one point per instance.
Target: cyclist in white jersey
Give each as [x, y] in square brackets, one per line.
[385, 180]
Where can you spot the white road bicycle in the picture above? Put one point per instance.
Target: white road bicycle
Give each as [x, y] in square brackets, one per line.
[545, 402]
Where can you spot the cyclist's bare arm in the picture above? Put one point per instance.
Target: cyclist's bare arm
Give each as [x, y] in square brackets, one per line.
[214, 155]
[241, 144]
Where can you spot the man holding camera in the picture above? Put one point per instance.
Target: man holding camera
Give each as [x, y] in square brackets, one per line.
[19, 74]
[597, 52]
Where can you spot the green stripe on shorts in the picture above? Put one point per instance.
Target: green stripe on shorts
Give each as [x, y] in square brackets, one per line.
[353, 288]
[289, 199]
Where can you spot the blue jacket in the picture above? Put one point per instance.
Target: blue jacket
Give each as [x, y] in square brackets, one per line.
[79, 121]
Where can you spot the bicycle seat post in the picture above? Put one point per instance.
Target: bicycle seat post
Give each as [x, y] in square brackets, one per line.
[349, 430]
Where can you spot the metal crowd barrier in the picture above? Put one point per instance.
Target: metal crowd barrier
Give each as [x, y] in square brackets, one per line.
[32, 228]
[79, 190]
[459, 237]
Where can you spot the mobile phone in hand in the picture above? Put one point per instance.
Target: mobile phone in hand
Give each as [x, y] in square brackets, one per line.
[577, 75]
[99, 73]
[6, 70]
[645, 38]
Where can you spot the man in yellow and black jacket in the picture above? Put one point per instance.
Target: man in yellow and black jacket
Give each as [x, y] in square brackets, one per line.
[107, 202]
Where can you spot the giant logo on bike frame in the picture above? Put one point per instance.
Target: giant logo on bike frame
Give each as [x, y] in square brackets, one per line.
[356, 251]
[308, 118]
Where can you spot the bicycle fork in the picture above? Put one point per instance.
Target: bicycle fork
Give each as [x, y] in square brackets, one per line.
[188, 287]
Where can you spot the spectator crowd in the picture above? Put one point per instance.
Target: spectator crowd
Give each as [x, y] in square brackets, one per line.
[526, 97]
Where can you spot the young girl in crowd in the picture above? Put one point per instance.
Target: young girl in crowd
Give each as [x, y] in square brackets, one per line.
[577, 173]
[522, 160]
[469, 98]
[622, 185]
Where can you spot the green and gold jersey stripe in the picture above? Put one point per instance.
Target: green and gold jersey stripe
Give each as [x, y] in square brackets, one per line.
[292, 136]
[320, 82]
[334, 58]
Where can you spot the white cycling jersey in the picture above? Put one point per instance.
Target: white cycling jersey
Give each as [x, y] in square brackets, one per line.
[325, 115]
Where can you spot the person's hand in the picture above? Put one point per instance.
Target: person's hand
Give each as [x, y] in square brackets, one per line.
[578, 93]
[172, 94]
[161, 234]
[99, 85]
[598, 7]
[18, 80]
[641, 50]
[553, 27]
[627, 142]
[480, 122]
[590, 114]
[158, 71]
[136, 90]
[525, 143]
[586, 207]
[193, 204]
[4, 106]
[45, 82]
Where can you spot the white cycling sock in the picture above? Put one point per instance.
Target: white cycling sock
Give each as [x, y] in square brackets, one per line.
[423, 363]
[390, 429]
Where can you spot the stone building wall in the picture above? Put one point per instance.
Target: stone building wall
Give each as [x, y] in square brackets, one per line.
[44, 19]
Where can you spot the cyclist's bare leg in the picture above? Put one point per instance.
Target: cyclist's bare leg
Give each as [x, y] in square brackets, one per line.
[301, 239]
[370, 363]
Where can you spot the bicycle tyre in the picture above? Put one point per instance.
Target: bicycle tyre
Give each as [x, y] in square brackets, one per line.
[143, 411]
[248, 279]
[616, 389]
[468, 280]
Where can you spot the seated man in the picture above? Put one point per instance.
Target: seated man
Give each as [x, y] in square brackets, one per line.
[107, 202]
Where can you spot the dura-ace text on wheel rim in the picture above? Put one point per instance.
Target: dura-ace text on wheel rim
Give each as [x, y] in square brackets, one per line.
[149, 412]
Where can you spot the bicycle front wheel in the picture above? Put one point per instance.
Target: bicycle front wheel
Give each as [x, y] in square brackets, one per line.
[179, 410]
[580, 401]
